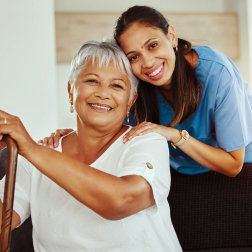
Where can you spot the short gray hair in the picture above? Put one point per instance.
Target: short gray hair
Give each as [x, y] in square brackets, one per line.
[104, 52]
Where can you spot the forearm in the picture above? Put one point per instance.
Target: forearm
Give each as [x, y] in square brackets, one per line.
[216, 159]
[102, 192]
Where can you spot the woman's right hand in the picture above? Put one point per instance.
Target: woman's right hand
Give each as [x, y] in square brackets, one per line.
[53, 140]
[171, 134]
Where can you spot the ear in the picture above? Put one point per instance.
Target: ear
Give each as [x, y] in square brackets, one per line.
[70, 93]
[172, 36]
[133, 100]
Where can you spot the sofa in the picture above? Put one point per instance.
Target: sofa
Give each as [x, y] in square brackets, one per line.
[210, 212]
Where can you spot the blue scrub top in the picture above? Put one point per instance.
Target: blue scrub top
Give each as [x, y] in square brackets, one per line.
[224, 116]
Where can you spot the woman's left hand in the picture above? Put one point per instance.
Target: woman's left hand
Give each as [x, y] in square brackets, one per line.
[13, 126]
[171, 134]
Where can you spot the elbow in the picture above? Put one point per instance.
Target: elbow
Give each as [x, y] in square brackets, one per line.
[235, 166]
[116, 210]
[234, 171]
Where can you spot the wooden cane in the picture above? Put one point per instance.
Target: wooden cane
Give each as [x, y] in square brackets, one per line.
[9, 188]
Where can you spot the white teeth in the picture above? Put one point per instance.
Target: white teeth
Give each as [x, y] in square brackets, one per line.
[99, 106]
[156, 71]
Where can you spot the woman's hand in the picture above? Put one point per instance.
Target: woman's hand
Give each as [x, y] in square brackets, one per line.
[171, 134]
[53, 140]
[13, 126]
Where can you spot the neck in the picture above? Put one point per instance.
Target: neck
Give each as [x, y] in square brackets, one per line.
[88, 144]
[167, 93]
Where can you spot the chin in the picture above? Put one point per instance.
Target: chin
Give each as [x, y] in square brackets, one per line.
[156, 83]
[100, 124]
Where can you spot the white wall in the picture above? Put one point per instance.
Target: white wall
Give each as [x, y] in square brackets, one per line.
[120, 5]
[27, 63]
[241, 7]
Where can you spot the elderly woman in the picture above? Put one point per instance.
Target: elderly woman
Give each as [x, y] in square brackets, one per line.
[95, 193]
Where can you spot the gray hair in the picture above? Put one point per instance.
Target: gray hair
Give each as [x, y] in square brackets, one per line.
[104, 52]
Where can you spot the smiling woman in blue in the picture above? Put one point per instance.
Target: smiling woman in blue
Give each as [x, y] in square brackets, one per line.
[194, 96]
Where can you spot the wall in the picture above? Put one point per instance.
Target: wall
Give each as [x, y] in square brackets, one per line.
[162, 5]
[27, 64]
[242, 8]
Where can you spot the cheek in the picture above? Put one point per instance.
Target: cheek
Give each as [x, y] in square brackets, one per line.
[122, 100]
[79, 105]
[136, 69]
[172, 61]
[81, 92]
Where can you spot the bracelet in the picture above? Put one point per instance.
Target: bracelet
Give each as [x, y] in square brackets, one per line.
[184, 138]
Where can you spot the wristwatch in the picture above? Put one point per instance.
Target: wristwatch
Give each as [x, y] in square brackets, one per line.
[184, 137]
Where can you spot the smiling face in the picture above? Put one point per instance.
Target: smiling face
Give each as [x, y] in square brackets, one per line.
[101, 95]
[150, 52]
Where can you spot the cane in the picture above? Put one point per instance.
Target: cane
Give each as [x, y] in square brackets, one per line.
[9, 188]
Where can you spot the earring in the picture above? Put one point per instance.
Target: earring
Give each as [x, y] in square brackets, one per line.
[128, 118]
[175, 48]
[71, 107]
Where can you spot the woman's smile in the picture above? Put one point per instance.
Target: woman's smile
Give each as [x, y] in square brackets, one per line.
[100, 107]
[156, 73]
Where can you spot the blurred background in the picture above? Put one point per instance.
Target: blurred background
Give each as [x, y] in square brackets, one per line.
[39, 38]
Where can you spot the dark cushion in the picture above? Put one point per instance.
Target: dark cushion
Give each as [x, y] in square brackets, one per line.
[211, 210]
[3, 159]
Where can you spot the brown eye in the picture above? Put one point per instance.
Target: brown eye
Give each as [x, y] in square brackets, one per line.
[153, 45]
[134, 57]
[117, 86]
[92, 81]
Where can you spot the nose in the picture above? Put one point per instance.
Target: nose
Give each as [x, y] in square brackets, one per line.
[102, 92]
[147, 61]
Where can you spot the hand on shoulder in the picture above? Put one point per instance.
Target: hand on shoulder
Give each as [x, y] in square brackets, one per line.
[171, 134]
[53, 140]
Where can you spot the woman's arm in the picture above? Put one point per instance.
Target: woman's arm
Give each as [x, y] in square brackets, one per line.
[110, 196]
[215, 159]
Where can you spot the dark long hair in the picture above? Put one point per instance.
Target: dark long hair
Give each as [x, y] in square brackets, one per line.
[185, 88]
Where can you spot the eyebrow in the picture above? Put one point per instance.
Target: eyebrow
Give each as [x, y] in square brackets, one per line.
[120, 80]
[146, 42]
[111, 79]
[92, 74]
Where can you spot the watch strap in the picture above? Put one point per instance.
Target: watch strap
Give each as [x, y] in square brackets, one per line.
[184, 137]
